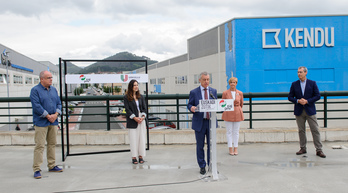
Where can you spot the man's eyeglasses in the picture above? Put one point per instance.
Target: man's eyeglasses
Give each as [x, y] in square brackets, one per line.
[49, 77]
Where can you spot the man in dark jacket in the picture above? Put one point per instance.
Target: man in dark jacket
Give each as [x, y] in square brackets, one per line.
[304, 93]
[200, 120]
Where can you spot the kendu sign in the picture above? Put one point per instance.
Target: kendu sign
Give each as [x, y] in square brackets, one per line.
[299, 37]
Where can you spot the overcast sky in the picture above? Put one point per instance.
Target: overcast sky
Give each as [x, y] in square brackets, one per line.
[45, 30]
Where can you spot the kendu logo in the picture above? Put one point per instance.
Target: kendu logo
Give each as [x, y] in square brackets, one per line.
[299, 37]
[124, 78]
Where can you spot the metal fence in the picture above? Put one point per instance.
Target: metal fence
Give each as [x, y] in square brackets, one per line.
[177, 103]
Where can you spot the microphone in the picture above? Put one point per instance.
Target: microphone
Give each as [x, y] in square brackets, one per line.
[212, 96]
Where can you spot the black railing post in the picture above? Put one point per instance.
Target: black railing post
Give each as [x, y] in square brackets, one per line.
[61, 116]
[177, 112]
[250, 112]
[108, 114]
[66, 111]
[147, 110]
[325, 109]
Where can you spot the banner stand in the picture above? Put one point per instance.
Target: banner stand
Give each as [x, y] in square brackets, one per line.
[213, 106]
[213, 173]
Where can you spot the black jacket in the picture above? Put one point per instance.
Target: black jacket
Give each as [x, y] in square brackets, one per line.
[132, 111]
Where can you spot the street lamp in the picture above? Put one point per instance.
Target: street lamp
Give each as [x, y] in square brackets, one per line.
[5, 54]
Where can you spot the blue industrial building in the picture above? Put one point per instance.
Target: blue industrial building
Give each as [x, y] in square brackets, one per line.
[264, 54]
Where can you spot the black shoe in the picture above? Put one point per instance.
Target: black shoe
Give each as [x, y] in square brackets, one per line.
[141, 160]
[134, 161]
[202, 171]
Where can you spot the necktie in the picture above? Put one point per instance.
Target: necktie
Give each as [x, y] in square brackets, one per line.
[206, 97]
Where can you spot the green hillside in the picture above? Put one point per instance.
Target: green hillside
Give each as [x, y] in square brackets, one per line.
[117, 66]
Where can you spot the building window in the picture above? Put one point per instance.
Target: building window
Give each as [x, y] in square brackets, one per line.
[196, 78]
[181, 80]
[153, 81]
[161, 81]
[17, 79]
[3, 79]
[28, 80]
[196, 81]
[36, 80]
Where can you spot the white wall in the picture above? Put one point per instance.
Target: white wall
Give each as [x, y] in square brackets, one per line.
[214, 64]
[18, 90]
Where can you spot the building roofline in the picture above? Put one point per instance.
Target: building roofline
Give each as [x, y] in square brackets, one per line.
[268, 17]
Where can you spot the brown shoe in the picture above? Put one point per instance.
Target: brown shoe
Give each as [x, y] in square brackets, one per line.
[302, 151]
[321, 154]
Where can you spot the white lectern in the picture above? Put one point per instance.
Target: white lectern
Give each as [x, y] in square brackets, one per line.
[213, 106]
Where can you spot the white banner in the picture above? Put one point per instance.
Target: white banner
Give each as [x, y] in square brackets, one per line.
[104, 78]
[213, 105]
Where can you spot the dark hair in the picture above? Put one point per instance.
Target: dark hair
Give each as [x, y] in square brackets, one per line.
[129, 92]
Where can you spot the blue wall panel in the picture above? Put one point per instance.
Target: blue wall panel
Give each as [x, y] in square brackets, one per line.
[261, 69]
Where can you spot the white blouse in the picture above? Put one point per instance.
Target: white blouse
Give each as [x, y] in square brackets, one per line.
[233, 94]
[137, 102]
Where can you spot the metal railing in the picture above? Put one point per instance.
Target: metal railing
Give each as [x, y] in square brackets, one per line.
[327, 98]
[284, 95]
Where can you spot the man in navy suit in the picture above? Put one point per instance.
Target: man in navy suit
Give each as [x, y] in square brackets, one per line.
[304, 93]
[200, 120]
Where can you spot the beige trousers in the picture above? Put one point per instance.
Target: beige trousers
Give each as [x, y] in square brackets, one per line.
[43, 134]
[137, 140]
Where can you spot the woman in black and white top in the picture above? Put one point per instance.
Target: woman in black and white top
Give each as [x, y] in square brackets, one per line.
[135, 107]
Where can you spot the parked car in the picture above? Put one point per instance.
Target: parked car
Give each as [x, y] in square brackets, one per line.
[71, 104]
[150, 118]
[115, 111]
[122, 112]
[161, 128]
[162, 123]
[75, 103]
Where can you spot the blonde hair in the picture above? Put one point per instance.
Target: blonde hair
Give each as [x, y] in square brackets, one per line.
[232, 79]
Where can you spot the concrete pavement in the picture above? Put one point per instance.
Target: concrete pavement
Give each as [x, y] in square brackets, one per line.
[259, 167]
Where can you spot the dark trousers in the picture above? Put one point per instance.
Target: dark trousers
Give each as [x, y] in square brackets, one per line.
[200, 138]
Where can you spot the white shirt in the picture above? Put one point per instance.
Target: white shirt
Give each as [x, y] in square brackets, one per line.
[137, 102]
[233, 94]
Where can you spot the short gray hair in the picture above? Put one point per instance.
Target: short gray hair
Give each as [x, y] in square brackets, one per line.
[304, 68]
[203, 73]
